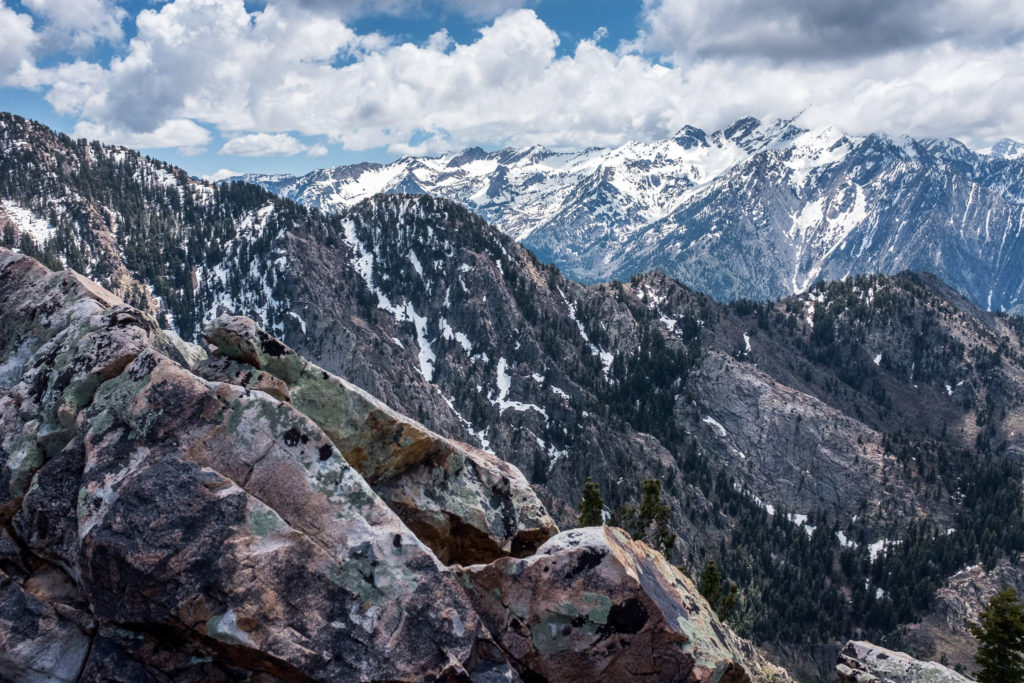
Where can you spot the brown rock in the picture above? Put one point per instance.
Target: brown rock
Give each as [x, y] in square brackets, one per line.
[594, 605]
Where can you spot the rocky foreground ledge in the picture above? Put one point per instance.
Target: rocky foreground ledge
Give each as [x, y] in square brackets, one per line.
[863, 662]
[166, 514]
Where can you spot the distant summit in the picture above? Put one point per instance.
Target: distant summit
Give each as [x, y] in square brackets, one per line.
[756, 210]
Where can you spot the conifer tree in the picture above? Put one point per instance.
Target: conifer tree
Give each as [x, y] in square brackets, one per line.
[591, 505]
[1000, 634]
[710, 586]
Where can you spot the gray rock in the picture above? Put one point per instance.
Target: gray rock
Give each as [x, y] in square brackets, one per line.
[863, 662]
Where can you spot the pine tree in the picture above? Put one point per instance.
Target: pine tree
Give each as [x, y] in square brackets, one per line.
[1000, 634]
[710, 586]
[654, 518]
[591, 505]
[650, 522]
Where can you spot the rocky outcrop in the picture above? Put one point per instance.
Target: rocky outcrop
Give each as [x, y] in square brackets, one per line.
[195, 513]
[593, 604]
[863, 662]
[467, 505]
[945, 633]
[165, 515]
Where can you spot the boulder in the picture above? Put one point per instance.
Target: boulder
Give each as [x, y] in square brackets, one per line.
[864, 662]
[466, 504]
[194, 520]
[592, 604]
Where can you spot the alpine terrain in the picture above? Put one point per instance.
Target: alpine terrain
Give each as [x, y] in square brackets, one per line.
[755, 211]
[838, 455]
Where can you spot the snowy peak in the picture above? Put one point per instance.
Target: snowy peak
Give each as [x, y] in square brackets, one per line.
[1008, 149]
[755, 210]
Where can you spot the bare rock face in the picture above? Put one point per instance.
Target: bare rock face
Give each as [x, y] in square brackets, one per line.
[752, 418]
[593, 604]
[466, 504]
[863, 662]
[155, 514]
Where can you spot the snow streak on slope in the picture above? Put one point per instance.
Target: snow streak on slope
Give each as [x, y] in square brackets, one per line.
[26, 223]
[755, 210]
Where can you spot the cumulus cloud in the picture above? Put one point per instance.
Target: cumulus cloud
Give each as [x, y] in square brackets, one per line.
[275, 71]
[316, 151]
[351, 9]
[189, 137]
[263, 76]
[220, 174]
[924, 67]
[264, 145]
[787, 30]
[78, 24]
[19, 41]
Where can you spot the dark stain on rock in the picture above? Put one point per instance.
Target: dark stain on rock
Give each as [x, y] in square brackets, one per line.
[325, 452]
[626, 617]
[588, 559]
[272, 346]
[142, 366]
[293, 437]
[397, 541]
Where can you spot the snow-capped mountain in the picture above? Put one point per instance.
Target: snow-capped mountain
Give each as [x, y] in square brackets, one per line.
[755, 210]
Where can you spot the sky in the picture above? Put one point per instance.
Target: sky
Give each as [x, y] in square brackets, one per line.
[287, 86]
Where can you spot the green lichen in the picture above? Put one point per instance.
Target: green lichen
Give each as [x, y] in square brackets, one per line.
[288, 368]
[602, 606]
[356, 575]
[84, 501]
[80, 392]
[24, 458]
[263, 520]
[550, 636]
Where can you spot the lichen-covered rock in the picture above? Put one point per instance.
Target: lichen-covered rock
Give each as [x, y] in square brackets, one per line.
[223, 369]
[467, 505]
[863, 662]
[173, 520]
[593, 604]
[37, 644]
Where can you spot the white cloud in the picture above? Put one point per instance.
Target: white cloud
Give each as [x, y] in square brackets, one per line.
[188, 136]
[261, 77]
[19, 40]
[78, 24]
[809, 30]
[264, 145]
[350, 9]
[316, 151]
[220, 175]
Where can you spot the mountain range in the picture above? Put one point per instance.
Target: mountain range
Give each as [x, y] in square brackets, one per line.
[841, 453]
[756, 210]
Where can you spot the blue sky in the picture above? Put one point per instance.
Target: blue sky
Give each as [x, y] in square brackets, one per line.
[292, 85]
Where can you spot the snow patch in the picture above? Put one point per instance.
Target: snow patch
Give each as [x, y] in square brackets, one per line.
[716, 424]
[27, 223]
[504, 385]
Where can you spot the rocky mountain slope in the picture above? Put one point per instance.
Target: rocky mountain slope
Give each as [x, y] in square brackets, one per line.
[755, 210]
[840, 452]
[273, 524]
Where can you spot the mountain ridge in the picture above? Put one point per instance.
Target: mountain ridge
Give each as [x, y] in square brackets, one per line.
[751, 211]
